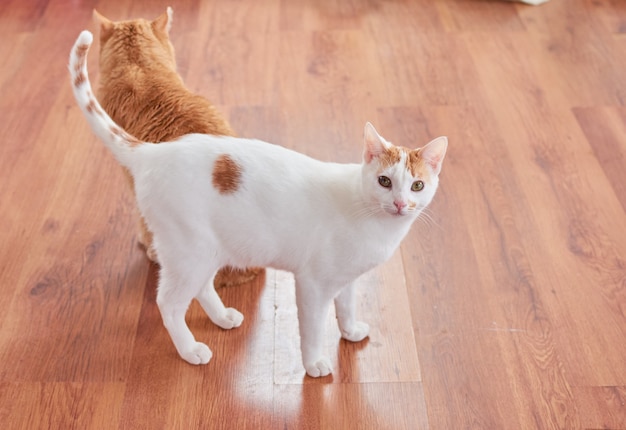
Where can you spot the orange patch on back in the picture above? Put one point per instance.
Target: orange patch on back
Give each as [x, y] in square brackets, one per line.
[226, 174]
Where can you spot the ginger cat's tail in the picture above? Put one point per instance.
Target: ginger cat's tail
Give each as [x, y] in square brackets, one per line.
[114, 137]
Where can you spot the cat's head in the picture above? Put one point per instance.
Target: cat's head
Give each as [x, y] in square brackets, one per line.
[136, 41]
[399, 181]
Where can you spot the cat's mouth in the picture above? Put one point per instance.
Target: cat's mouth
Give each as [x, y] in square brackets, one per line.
[397, 212]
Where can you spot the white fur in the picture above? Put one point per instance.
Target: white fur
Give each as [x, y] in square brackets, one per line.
[327, 223]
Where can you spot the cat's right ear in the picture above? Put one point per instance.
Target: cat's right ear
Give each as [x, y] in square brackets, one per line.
[106, 25]
[374, 144]
[164, 22]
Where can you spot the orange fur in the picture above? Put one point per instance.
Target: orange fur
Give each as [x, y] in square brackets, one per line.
[389, 157]
[226, 174]
[416, 164]
[143, 93]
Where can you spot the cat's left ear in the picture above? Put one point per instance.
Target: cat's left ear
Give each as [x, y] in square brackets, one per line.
[434, 152]
[106, 25]
[374, 144]
[164, 22]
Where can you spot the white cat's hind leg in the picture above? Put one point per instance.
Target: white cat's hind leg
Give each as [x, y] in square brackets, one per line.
[173, 298]
[212, 304]
[345, 308]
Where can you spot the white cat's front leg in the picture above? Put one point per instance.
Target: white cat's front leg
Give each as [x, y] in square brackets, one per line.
[312, 312]
[345, 308]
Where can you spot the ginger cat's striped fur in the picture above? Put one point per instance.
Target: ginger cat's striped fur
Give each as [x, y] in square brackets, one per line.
[213, 201]
[143, 93]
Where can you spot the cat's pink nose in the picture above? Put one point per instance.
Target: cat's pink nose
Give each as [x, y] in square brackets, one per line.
[399, 204]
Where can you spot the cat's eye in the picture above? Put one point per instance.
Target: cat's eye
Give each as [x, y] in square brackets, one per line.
[384, 181]
[417, 186]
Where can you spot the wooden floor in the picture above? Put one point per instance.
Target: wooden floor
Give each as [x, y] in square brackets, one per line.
[505, 307]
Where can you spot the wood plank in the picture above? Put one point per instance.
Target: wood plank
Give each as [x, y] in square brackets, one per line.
[231, 64]
[430, 75]
[333, 68]
[67, 405]
[63, 262]
[604, 129]
[467, 16]
[577, 213]
[602, 407]
[611, 12]
[350, 406]
[576, 54]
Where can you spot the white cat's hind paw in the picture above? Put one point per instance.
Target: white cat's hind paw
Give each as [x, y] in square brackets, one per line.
[152, 254]
[319, 368]
[199, 353]
[357, 332]
[232, 318]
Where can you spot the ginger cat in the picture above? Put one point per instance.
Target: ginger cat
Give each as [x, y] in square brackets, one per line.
[143, 93]
[219, 200]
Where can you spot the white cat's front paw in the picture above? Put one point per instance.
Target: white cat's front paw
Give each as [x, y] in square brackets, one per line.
[199, 353]
[357, 332]
[232, 318]
[319, 368]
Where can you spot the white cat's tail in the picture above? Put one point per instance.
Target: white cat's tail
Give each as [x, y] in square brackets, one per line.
[114, 137]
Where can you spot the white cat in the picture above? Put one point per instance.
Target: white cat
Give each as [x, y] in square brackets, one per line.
[211, 203]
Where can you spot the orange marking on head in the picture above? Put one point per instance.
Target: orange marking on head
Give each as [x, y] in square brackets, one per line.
[416, 164]
[226, 174]
[390, 156]
[413, 162]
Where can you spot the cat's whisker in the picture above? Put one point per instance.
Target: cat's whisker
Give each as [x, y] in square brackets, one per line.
[428, 219]
[365, 210]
